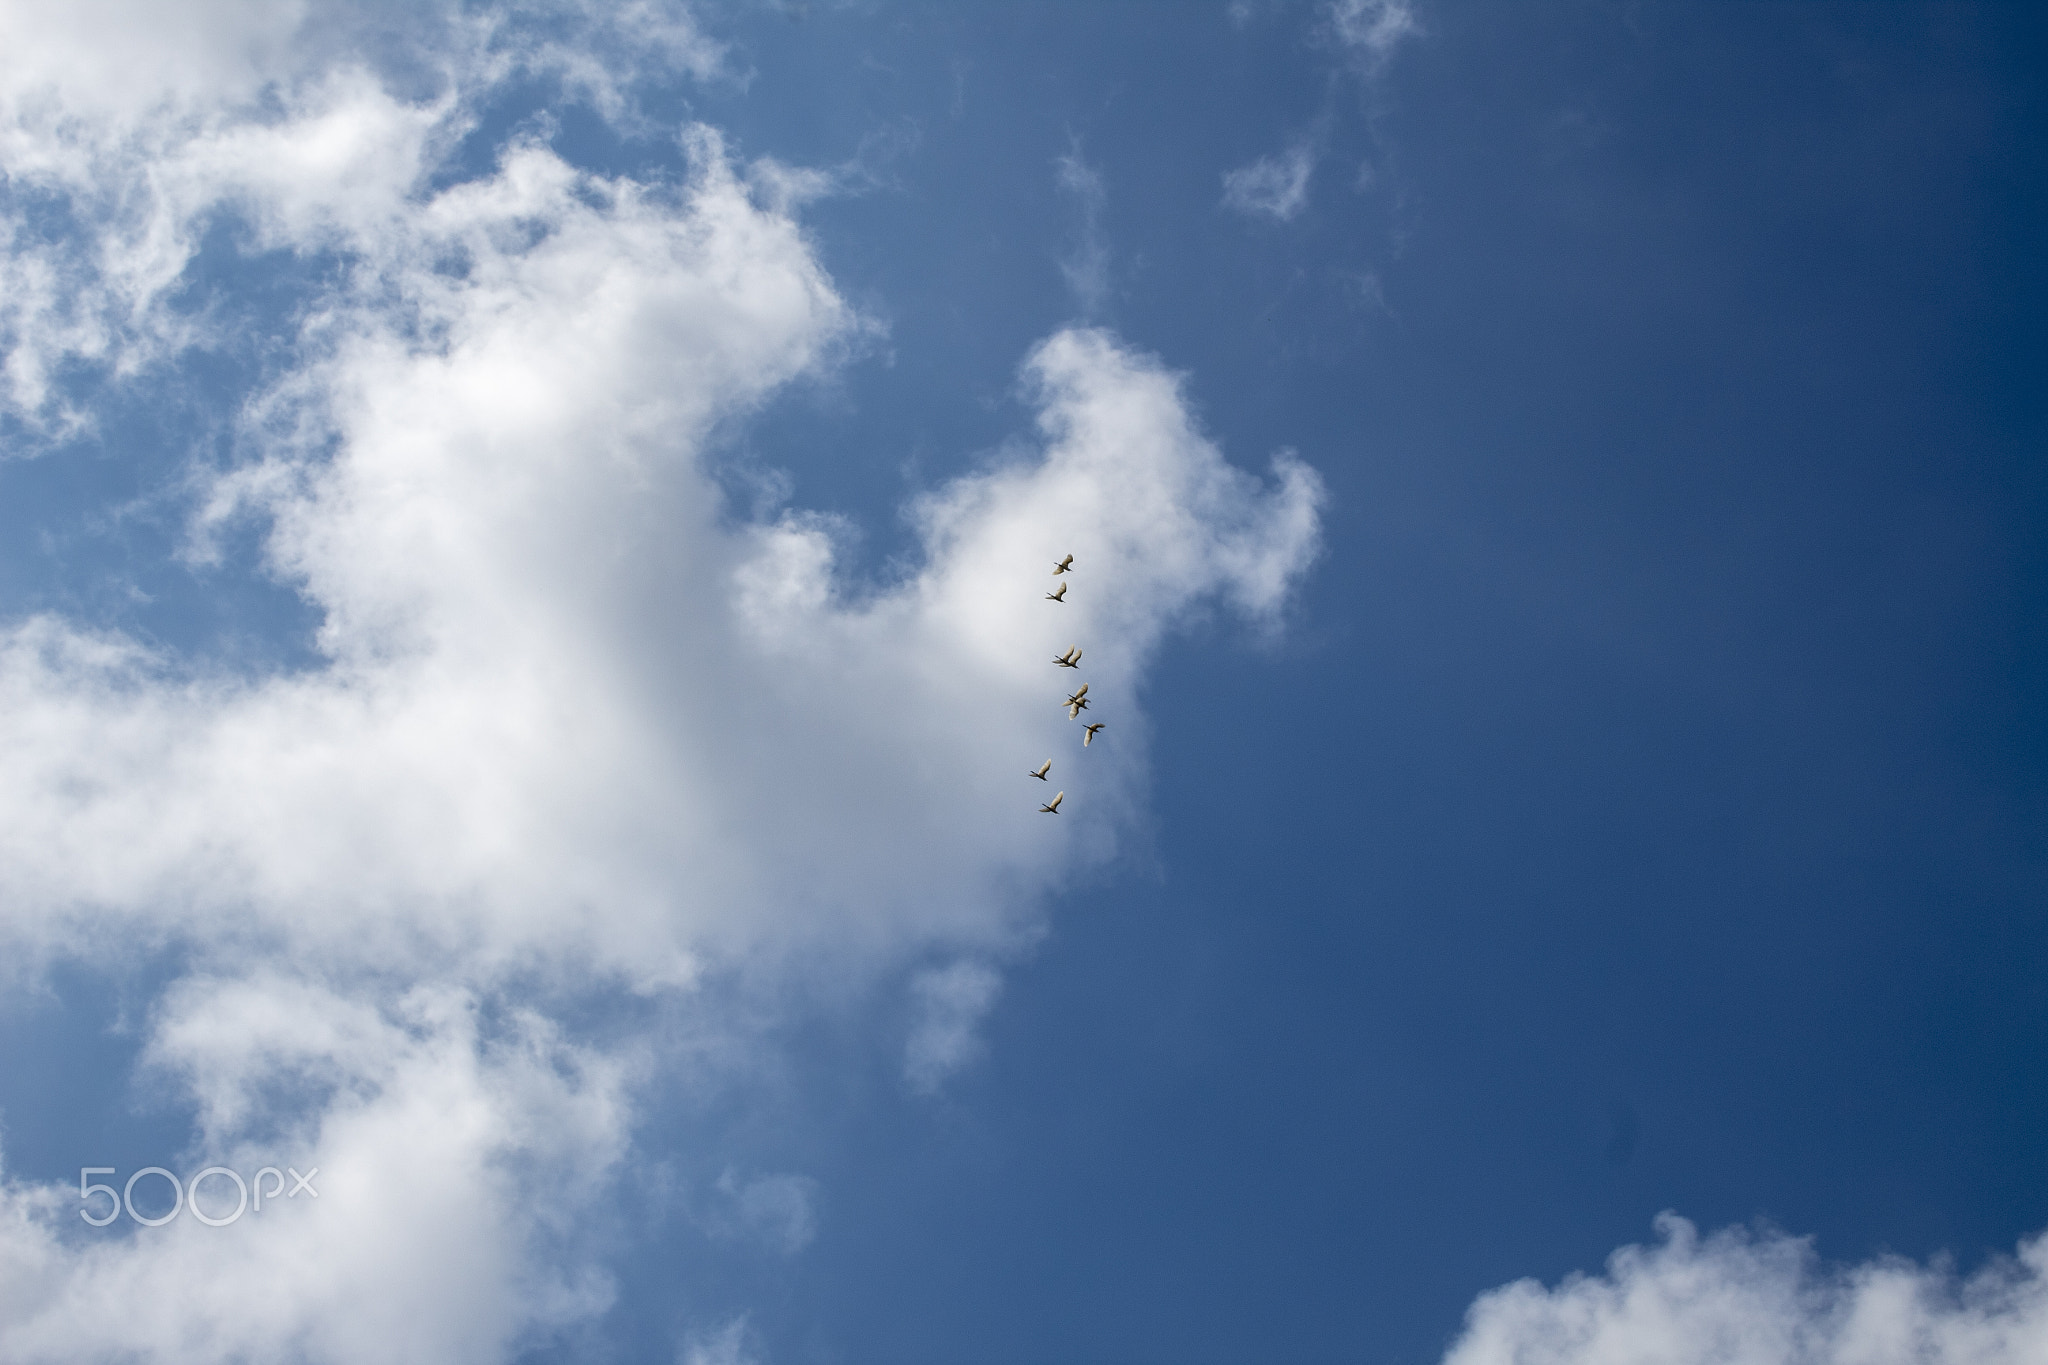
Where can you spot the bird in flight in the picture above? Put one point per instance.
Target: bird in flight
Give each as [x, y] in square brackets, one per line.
[1042, 769]
[1087, 738]
[1059, 596]
[1063, 565]
[1070, 659]
[1077, 703]
[1052, 807]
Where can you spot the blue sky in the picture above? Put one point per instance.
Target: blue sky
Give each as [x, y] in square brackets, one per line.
[521, 639]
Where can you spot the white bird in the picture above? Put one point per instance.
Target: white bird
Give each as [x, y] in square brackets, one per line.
[1087, 738]
[1079, 701]
[1045, 768]
[1052, 807]
[1070, 659]
[1063, 565]
[1059, 596]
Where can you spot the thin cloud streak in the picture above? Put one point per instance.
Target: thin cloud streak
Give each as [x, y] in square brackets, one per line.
[1086, 269]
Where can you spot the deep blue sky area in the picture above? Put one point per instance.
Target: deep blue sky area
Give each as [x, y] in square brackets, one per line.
[1646, 806]
[1647, 810]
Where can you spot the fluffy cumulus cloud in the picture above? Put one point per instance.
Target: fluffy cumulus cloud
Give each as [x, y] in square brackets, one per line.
[128, 127]
[1764, 1299]
[424, 1234]
[574, 730]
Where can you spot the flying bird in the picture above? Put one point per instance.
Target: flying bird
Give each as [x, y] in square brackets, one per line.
[1075, 700]
[1087, 738]
[1070, 659]
[1063, 565]
[1059, 596]
[1046, 767]
[1052, 807]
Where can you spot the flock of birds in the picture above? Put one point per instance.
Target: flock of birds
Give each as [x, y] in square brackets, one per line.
[1076, 702]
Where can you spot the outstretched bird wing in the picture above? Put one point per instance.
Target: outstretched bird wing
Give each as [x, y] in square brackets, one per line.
[1042, 770]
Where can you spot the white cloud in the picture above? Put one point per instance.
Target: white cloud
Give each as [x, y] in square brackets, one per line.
[1763, 1299]
[1372, 29]
[1273, 186]
[140, 121]
[555, 682]
[133, 121]
[572, 728]
[451, 1165]
[487, 693]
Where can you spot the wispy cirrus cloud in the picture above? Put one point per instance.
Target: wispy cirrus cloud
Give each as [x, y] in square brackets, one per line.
[1273, 187]
[1370, 30]
[1366, 33]
[1086, 268]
